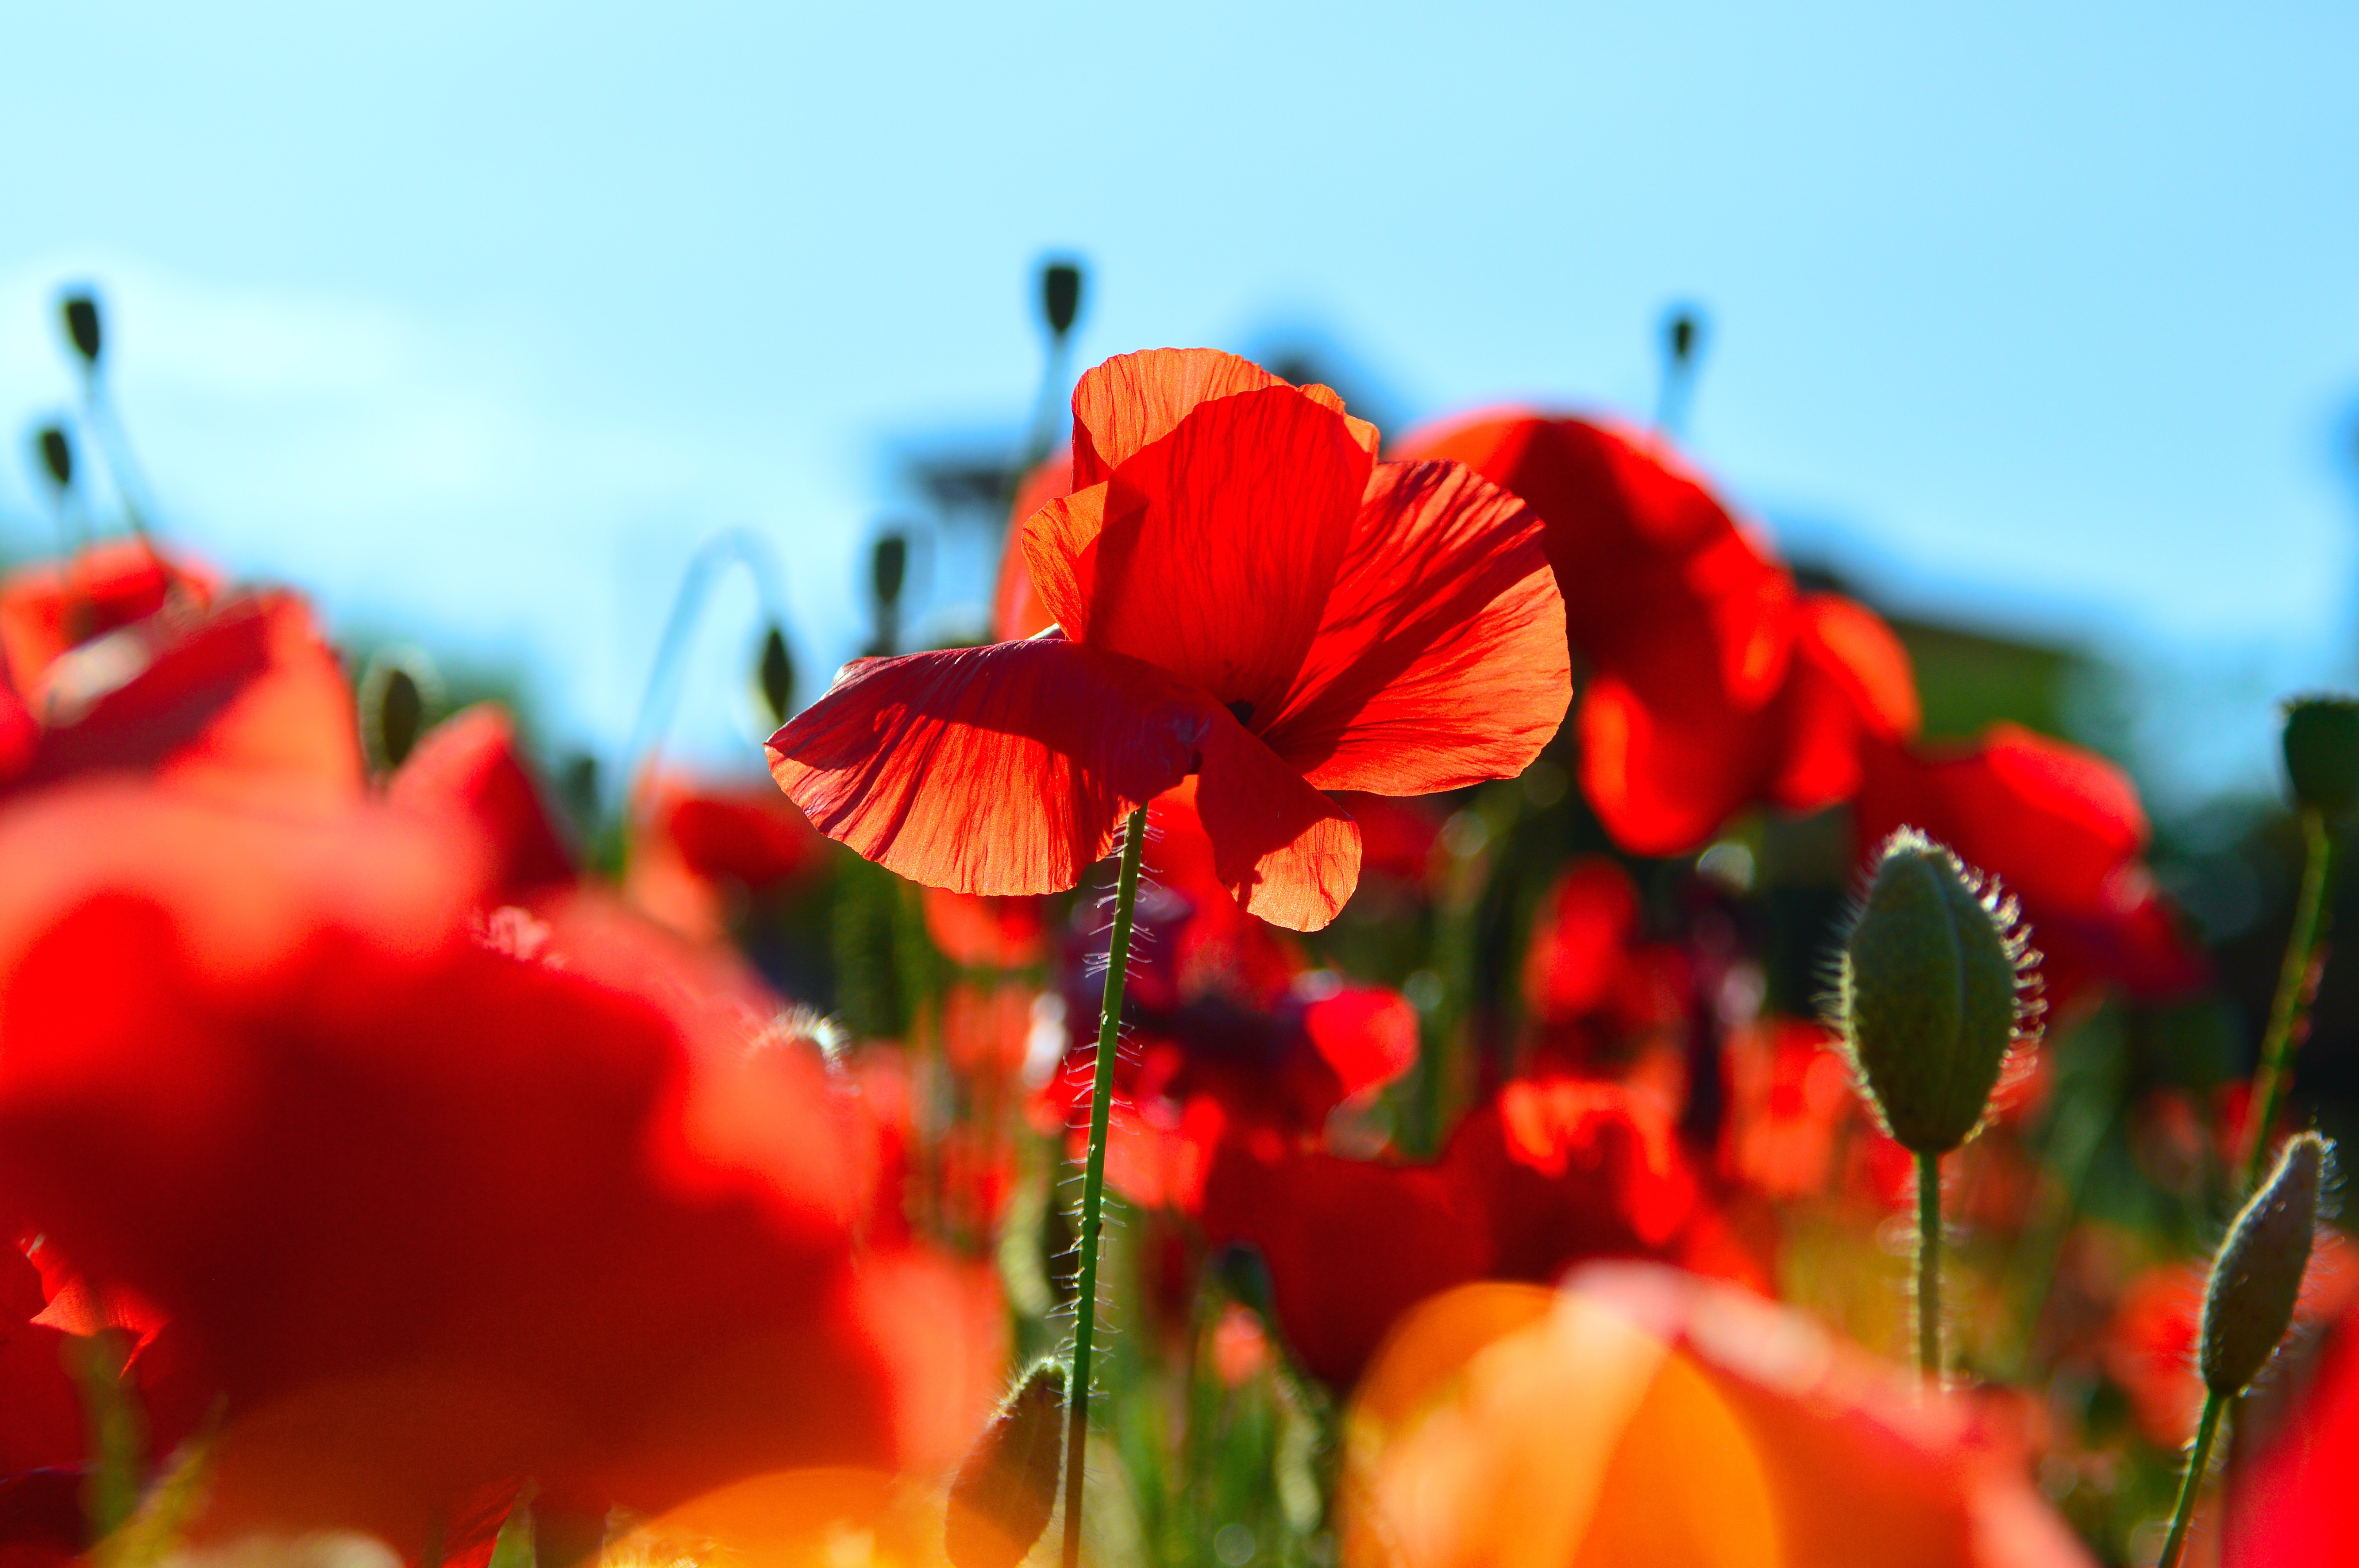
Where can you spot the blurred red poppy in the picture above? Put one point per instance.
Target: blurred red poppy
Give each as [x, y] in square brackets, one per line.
[468, 766]
[700, 848]
[2063, 829]
[2292, 1500]
[241, 699]
[1243, 595]
[43, 1425]
[979, 932]
[1017, 612]
[51, 606]
[436, 1208]
[1595, 996]
[1712, 682]
[1645, 1416]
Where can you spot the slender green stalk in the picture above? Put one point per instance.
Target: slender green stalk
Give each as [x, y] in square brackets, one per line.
[2199, 1459]
[1928, 1268]
[1085, 1301]
[2292, 1001]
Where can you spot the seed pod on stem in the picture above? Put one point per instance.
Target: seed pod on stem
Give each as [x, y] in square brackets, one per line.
[2321, 753]
[1006, 1490]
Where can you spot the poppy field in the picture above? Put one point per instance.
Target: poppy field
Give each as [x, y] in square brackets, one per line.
[1423, 998]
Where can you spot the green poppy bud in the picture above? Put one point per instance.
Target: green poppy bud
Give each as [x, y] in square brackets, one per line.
[778, 674]
[2248, 1304]
[1934, 993]
[1005, 1492]
[398, 689]
[888, 567]
[80, 309]
[57, 455]
[2321, 753]
[1060, 295]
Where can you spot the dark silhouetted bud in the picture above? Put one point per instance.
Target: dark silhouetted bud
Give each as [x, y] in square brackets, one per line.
[400, 714]
[2321, 753]
[1934, 993]
[57, 455]
[778, 674]
[398, 693]
[2255, 1280]
[1006, 1490]
[1060, 295]
[1680, 334]
[890, 565]
[80, 309]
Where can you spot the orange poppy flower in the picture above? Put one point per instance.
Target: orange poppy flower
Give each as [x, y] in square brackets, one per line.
[1712, 682]
[1642, 1415]
[2063, 829]
[1242, 594]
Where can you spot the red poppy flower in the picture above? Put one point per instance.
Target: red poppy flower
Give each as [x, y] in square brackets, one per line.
[1714, 684]
[2063, 828]
[1789, 1094]
[242, 699]
[43, 1427]
[980, 933]
[53, 605]
[1595, 994]
[1017, 612]
[2292, 1500]
[1641, 1415]
[1244, 595]
[437, 1209]
[468, 766]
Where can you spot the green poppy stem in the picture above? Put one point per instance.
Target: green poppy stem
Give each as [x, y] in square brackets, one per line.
[2286, 1013]
[1928, 1268]
[2199, 1459]
[1085, 1301]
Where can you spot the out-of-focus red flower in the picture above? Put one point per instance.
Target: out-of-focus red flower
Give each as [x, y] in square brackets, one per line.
[699, 845]
[1547, 1175]
[2063, 828]
[1017, 612]
[242, 699]
[1396, 834]
[1642, 1415]
[42, 1427]
[1243, 595]
[1595, 994]
[51, 606]
[2293, 1502]
[468, 767]
[979, 932]
[1789, 1096]
[437, 1210]
[1713, 682]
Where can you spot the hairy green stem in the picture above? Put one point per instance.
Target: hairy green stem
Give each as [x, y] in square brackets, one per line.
[1928, 1268]
[2198, 1459]
[1085, 1301]
[2292, 1002]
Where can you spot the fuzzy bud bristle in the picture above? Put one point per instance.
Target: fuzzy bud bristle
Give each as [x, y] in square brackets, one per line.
[2255, 1280]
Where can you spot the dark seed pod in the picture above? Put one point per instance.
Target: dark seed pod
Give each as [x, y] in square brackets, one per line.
[399, 692]
[1680, 334]
[80, 309]
[1060, 295]
[1006, 1492]
[57, 455]
[778, 674]
[890, 566]
[2321, 753]
[2255, 1280]
[1934, 993]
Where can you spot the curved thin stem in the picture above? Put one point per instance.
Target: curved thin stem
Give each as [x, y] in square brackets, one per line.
[1928, 1268]
[2294, 988]
[663, 677]
[1085, 1301]
[2198, 1459]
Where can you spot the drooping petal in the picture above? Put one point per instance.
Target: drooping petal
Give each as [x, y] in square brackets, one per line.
[1136, 400]
[1286, 852]
[998, 769]
[1209, 552]
[1441, 660]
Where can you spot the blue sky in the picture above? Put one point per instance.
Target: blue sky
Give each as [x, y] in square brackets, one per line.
[474, 320]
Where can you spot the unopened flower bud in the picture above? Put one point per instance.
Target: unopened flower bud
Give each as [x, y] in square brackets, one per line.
[1679, 335]
[80, 309]
[1933, 993]
[57, 455]
[2321, 753]
[778, 674]
[396, 689]
[1060, 295]
[2255, 1280]
[1006, 1492]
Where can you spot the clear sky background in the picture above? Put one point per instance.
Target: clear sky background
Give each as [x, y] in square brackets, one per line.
[474, 320]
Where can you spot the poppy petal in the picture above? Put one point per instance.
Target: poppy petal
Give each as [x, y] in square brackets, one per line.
[1850, 677]
[1136, 400]
[998, 769]
[1441, 660]
[1286, 852]
[467, 766]
[1016, 610]
[1664, 768]
[1209, 552]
